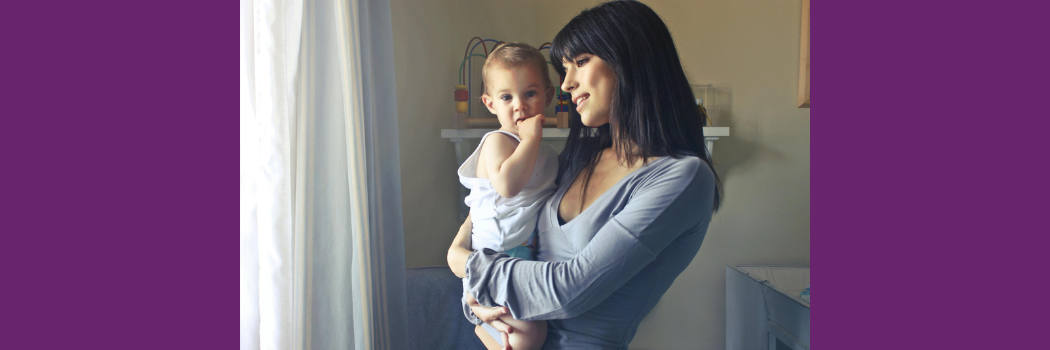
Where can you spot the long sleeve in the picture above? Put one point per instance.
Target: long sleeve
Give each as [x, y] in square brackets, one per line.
[667, 203]
[467, 312]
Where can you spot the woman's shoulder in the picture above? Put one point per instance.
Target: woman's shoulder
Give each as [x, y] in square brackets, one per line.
[671, 179]
[686, 167]
[670, 176]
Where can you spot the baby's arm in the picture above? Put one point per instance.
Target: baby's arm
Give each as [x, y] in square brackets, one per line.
[509, 164]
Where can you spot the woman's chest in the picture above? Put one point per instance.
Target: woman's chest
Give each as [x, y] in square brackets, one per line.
[586, 190]
[559, 242]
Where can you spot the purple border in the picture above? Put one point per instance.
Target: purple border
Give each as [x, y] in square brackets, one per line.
[928, 172]
[120, 196]
[119, 141]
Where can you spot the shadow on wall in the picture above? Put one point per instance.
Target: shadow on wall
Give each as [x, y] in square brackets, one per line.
[741, 149]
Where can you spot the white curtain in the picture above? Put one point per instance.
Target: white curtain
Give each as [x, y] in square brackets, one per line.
[322, 246]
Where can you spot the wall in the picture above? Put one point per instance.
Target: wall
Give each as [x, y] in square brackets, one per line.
[747, 49]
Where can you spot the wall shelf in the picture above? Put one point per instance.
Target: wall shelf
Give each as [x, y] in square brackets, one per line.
[457, 136]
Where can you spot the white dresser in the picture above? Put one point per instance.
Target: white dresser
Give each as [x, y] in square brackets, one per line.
[764, 309]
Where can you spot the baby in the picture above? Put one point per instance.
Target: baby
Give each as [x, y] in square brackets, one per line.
[511, 173]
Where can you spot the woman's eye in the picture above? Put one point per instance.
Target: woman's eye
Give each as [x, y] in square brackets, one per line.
[530, 94]
[581, 62]
[505, 97]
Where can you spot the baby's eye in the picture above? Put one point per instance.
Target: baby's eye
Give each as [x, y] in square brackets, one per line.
[505, 97]
[530, 93]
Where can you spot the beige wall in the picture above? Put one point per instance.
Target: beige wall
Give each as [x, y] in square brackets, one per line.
[747, 49]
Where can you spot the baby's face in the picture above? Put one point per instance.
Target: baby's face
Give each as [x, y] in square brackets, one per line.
[516, 93]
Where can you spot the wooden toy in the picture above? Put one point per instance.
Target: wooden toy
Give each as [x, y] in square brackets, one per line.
[562, 109]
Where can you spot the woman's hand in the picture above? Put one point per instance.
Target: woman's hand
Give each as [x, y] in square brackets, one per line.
[460, 250]
[491, 316]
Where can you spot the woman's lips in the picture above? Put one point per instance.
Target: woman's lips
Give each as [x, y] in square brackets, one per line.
[581, 103]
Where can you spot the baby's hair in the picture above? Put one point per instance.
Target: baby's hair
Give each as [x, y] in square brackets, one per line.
[512, 55]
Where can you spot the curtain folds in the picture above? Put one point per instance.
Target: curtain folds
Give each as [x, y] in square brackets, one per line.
[322, 250]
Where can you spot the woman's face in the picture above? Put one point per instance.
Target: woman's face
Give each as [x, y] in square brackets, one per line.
[592, 84]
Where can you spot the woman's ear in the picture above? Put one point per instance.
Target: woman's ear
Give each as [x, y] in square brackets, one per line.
[550, 95]
[487, 101]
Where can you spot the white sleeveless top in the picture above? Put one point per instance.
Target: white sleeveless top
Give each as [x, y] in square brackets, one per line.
[504, 223]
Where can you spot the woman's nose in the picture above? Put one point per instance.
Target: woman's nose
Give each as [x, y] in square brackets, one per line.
[569, 83]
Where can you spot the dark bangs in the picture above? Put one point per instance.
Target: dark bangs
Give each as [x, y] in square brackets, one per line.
[576, 38]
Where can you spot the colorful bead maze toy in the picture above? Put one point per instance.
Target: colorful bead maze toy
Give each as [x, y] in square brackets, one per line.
[462, 118]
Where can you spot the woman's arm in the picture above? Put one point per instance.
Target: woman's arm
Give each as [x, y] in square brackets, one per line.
[675, 201]
[460, 249]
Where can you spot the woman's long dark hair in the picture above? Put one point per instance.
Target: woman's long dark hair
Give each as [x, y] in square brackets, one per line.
[653, 105]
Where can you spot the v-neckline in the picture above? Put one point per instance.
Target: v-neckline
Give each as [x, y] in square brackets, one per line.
[557, 208]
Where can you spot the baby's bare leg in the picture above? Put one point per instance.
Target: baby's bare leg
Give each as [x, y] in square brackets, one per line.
[527, 335]
[486, 339]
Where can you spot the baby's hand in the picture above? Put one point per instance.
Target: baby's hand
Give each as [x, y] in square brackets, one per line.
[531, 128]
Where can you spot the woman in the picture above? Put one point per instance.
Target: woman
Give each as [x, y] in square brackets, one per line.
[636, 190]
